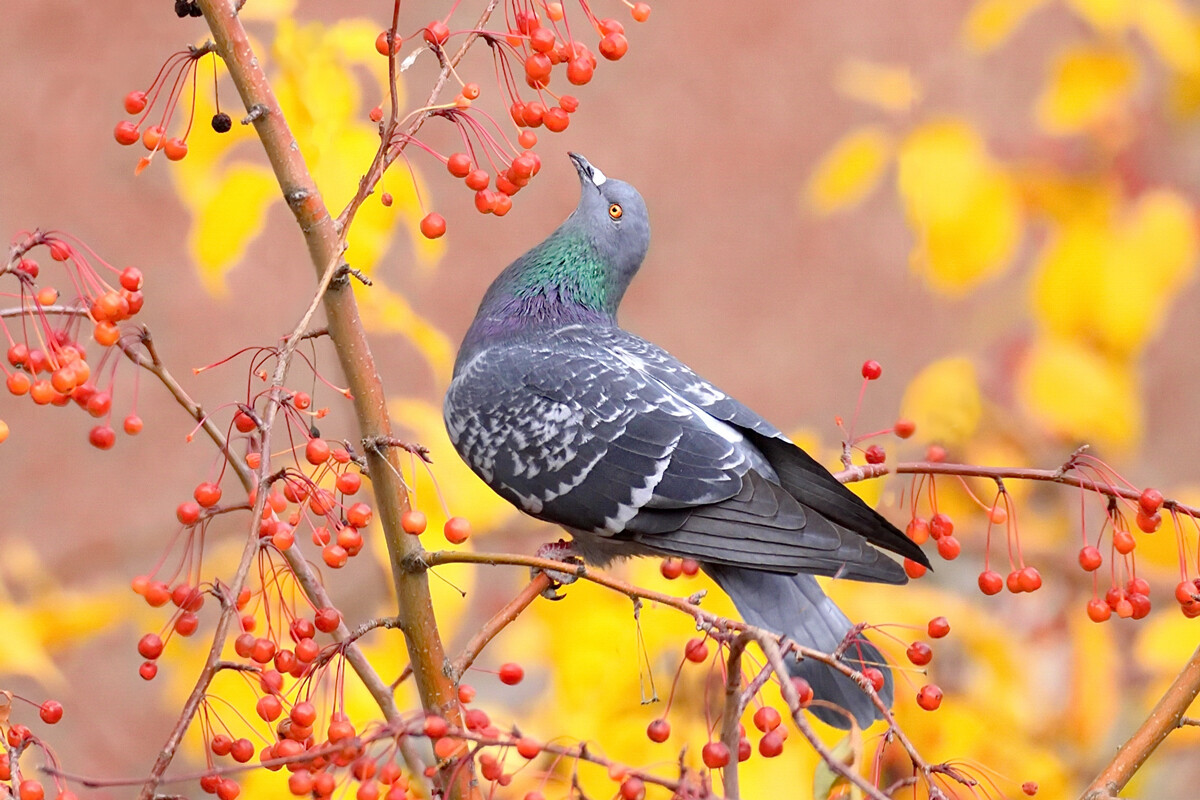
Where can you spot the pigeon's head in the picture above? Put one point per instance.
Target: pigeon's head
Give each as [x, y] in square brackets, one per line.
[614, 216]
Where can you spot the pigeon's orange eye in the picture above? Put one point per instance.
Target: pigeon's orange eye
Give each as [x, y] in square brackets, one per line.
[615, 211]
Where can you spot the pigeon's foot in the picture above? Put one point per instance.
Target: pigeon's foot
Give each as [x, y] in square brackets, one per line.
[558, 551]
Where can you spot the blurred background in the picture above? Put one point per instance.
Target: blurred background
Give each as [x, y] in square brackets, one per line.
[997, 200]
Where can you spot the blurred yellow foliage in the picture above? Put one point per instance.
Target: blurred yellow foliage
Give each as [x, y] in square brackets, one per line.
[944, 401]
[317, 86]
[1080, 395]
[850, 170]
[38, 617]
[891, 88]
[991, 22]
[963, 208]
[1110, 282]
[1089, 85]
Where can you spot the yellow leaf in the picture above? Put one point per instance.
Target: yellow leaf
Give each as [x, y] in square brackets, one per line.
[232, 216]
[1111, 284]
[1108, 16]
[1077, 394]
[1089, 84]
[944, 401]
[1170, 30]
[991, 22]
[888, 87]
[850, 170]
[964, 209]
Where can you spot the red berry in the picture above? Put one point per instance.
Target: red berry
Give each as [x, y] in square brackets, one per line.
[435, 727]
[327, 620]
[126, 132]
[51, 712]
[556, 120]
[658, 731]
[433, 225]
[542, 40]
[1185, 592]
[715, 755]
[875, 454]
[1123, 542]
[690, 567]
[918, 530]
[511, 673]
[771, 744]
[188, 512]
[568, 103]
[102, 437]
[641, 13]
[1013, 581]
[579, 71]
[359, 515]
[459, 165]
[1030, 788]
[349, 482]
[135, 102]
[1150, 501]
[744, 749]
[152, 137]
[388, 43]
[613, 46]
[30, 790]
[1148, 523]
[316, 452]
[269, 707]
[457, 530]
[940, 525]
[875, 677]
[929, 697]
[1140, 603]
[803, 690]
[990, 582]
[207, 494]
[912, 569]
[671, 568]
[696, 650]
[1030, 579]
[904, 428]
[948, 548]
[1090, 558]
[633, 788]
[436, 32]
[175, 149]
[919, 653]
[871, 370]
[148, 670]
[527, 139]
[767, 719]
[938, 627]
[413, 522]
[466, 693]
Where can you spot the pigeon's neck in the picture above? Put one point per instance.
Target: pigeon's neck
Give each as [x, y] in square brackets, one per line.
[562, 281]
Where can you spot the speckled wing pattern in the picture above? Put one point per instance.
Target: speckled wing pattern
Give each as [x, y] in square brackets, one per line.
[610, 436]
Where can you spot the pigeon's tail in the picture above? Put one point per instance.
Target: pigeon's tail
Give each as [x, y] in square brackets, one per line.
[795, 606]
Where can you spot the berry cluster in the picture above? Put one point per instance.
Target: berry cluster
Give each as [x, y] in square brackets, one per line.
[48, 350]
[537, 42]
[17, 739]
[167, 87]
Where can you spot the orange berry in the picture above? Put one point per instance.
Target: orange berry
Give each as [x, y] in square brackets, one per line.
[413, 522]
[433, 225]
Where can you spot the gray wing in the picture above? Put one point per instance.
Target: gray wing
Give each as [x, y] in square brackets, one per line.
[581, 430]
[798, 472]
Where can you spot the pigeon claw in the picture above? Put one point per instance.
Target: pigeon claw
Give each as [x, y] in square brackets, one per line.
[557, 551]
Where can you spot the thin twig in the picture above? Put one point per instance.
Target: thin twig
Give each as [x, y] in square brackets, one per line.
[731, 734]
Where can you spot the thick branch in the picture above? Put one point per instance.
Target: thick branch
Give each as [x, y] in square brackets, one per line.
[415, 608]
[1167, 716]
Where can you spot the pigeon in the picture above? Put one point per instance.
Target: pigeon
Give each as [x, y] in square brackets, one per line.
[580, 423]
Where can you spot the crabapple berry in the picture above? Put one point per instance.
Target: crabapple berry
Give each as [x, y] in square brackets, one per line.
[457, 530]
[511, 673]
[436, 33]
[1090, 558]
[920, 653]
[767, 719]
[771, 744]
[102, 437]
[433, 225]
[135, 102]
[126, 132]
[413, 522]
[641, 13]
[940, 525]
[938, 627]
[929, 697]
[51, 712]
[658, 731]
[316, 452]
[696, 651]
[359, 515]
[949, 548]
[715, 755]
[388, 43]
[613, 46]
[1150, 501]
[207, 494]
[1148, 523]
[871, 370]
[875, 454]
[875, 677]
[912, 569]
[990, 582]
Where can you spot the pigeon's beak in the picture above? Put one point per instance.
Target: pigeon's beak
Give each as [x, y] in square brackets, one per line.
[586, 171]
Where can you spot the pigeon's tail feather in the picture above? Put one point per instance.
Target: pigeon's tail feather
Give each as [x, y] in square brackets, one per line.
[795, 606]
